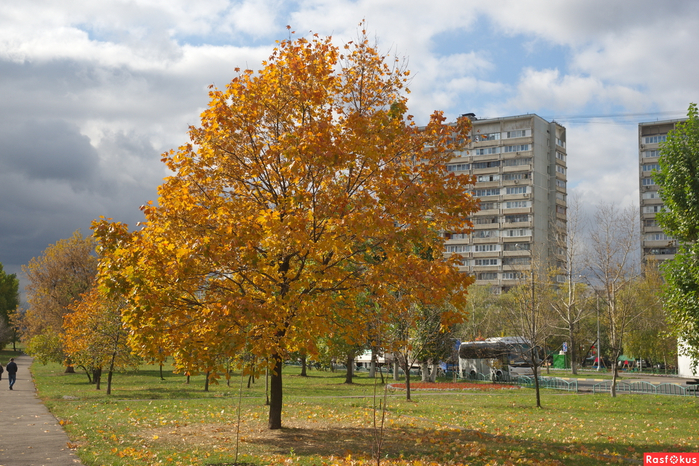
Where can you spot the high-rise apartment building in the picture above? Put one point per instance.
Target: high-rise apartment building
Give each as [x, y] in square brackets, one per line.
[655, 245]
[520, 166]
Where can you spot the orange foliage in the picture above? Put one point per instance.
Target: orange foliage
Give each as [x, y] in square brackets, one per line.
[306, 184]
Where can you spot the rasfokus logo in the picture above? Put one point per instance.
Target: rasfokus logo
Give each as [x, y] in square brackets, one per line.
[671, 458]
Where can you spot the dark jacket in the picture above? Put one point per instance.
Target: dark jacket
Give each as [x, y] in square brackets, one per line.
[11, 367]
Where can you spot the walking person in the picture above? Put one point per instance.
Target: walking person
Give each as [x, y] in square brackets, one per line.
[11, 371]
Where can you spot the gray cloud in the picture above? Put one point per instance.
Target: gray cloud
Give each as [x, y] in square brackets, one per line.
[47, 150]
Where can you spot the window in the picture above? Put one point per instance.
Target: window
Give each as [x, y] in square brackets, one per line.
[518, 232]
[487, 276]
[517, 176]
[516, 190]
[651, 153]
[560, 142]
[653, 209]
[561, 184]
[651, 195]
[486, 192]
[658, 237]
[516, 148]
[516, 162]
[516, 261]
[561, 169]
[520, 133]
[651, 166]
[488, 137]
[560, 156]
[487, 151]
[516, 218]
[485, 178]
[487, 262]
[488, 205]
[458, 167]
[517, 246]
[660, 251]
[650, 223]
[485, 220]
[485, 234]
[512, 275]
[560, 210]
[459, 236]
[654, 139]
[486, 247]
[491, 164]
[648, 182]
[517, 204]
[457, 248]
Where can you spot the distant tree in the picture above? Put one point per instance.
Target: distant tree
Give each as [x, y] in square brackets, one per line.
[568, 299]
[9, 294]
[9, 301]
[649, 335]
[95, 337]
[528, 313]
[678, 179]
[484, 315]
[56, 279]
[299, 176]
[612, 266]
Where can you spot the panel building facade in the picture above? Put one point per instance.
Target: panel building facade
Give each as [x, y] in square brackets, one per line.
[520, 166]
[655, 245]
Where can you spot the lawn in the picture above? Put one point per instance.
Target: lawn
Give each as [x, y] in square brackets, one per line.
[152, 421]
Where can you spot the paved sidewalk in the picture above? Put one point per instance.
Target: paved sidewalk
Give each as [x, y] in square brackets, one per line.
[29, 434]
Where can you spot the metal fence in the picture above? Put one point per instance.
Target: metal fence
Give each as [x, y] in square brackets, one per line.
[648, 388]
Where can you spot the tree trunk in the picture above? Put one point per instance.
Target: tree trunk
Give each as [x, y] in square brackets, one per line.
[109, 374]
[275, 401]
[372, 367]
[87, 373]
[303, 366]
[350, 368]
[97, 377]
[161, 372]
[433, 373]
[206, 381]
[70, 369]
[573, 348]
[425, 371]
[407, 380]
[395, 369]
[615, 373]
[535, 369]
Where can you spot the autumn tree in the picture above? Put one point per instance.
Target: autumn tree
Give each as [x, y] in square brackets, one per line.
[95, 337]
[612, 268]
[55, 280]
[678, 179]
[306, 183]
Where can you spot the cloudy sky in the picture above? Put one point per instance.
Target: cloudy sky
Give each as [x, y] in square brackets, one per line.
[92, 92]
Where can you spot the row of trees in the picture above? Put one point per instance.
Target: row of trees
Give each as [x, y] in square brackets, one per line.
[601, 290]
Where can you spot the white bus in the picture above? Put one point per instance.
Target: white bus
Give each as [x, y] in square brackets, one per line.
[497, 358]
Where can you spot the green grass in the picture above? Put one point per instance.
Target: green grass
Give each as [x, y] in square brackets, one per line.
[149, 421]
